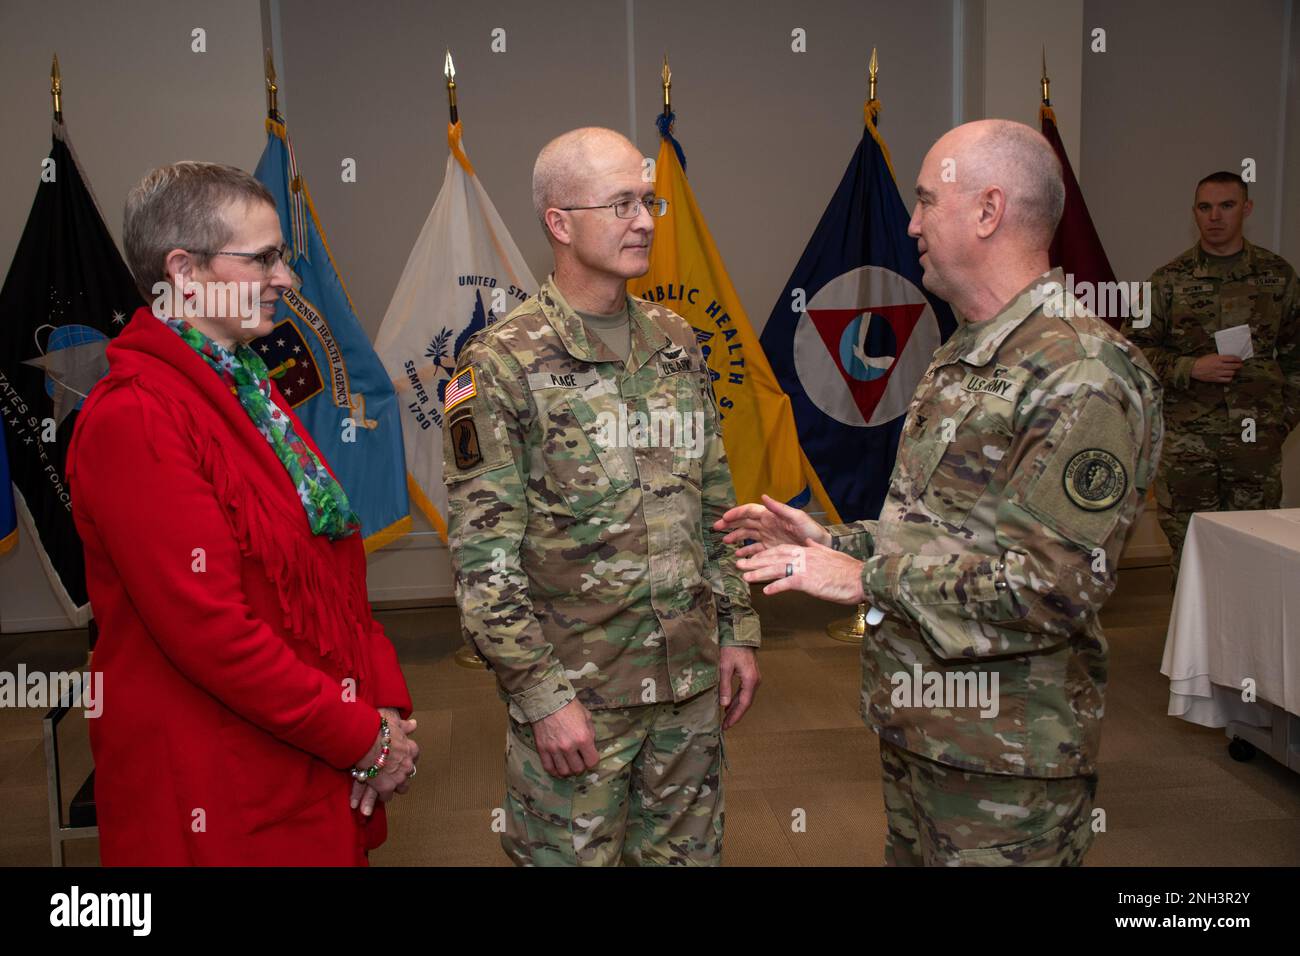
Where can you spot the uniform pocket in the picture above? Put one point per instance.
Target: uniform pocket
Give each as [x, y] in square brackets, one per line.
[968, 450]
[581, 453]
[539, 811]
[689, 425]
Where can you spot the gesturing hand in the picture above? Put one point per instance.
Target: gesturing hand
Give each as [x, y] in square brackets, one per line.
[396, 774]
[768, 525]
[815, 569]
[566, 740]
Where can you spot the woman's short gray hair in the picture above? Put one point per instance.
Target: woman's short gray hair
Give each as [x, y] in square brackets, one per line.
[182, 206]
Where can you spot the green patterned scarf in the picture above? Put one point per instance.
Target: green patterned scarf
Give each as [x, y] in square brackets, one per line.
[323, 498]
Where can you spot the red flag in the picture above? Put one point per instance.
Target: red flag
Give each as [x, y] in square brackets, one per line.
[1076, 248]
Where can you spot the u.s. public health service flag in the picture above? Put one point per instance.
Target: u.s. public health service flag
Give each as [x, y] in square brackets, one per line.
[853, 333]
[321, 359]
[463, 274]
[687, 275]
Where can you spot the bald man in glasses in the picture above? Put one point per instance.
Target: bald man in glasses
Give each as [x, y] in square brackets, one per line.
[585, 470]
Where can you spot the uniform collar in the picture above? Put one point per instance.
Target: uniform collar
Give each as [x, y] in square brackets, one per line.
[975, 343]
[1205, 268]
[647, 337]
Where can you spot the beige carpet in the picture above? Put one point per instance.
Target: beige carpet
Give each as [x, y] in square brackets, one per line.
[1171, 793]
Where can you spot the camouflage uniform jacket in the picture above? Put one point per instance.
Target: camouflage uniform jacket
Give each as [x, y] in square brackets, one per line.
[585, 558]
[1192, 298]
[1024, 459]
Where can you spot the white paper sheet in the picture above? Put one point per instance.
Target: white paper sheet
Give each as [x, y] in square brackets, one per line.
[1235, 341]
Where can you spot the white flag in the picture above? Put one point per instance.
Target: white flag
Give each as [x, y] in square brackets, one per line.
[464, 273]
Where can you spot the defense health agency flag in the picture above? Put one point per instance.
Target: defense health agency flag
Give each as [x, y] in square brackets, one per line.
[1076, 247]
[463, 274]
[67, 293]
[854, 331]
[687, 275]
[323, 362]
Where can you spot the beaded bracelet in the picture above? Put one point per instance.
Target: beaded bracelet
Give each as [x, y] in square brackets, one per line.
[361, 776]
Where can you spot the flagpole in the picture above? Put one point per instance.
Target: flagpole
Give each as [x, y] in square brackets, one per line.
[466, 656]
[56, 89]
[449, 71]
[272, 90]
[667, 76]
[1047, 83]
[853, 630]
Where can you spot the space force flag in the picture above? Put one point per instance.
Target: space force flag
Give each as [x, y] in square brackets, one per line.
[854, 331]
[687, 275]
[321, 359]
[463, 274]
[67, 293]
[8, 516]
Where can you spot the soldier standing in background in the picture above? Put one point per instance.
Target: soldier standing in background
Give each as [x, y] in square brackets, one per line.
[1024, 461]
[585, 470]
[1227, 418]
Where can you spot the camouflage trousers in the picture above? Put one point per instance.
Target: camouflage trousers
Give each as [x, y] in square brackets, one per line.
[655, 797]
[939, 815]
[1201, 472]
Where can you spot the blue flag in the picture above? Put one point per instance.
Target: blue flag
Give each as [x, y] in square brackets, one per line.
[323, 362]
[8, 517]
[853, 333]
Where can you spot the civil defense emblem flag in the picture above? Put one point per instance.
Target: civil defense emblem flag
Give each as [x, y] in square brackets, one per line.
[67, 293]
[687, 275]
[463, 274]
[321, 359]
[854, 331]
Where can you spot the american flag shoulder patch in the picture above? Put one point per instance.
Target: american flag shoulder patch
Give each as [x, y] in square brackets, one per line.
[461, 388]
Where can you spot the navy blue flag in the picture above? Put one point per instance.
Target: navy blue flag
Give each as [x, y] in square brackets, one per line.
[853, 333]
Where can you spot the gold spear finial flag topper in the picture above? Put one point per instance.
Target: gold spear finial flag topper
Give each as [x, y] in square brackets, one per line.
[1047, 98]
[56, 89]
[667, 75]
[272, 91]
[873, 70]
[449, 71]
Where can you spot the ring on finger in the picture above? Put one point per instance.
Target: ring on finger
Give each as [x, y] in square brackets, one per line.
[789, 570]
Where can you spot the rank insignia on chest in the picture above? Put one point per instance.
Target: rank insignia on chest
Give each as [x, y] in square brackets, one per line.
[1004, 388]
[461, 388]
[1095, 480]
[464, 443]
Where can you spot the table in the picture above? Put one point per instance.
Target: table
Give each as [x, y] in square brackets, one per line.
[1235, 627]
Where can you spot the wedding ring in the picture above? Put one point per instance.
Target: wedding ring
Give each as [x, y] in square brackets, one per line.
[789, 570]
[412, 773]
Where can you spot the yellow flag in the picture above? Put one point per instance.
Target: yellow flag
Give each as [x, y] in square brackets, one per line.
[687, 275]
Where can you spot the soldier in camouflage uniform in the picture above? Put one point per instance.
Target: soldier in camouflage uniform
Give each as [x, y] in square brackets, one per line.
[1023, 462]
[584, 474]
[1227, 418]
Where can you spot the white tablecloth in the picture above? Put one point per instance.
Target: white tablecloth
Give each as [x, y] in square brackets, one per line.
[1236, 616]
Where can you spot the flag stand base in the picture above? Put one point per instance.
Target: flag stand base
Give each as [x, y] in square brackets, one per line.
[467, 658]
[850, 630]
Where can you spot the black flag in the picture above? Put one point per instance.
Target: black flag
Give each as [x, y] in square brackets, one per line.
[67, 293]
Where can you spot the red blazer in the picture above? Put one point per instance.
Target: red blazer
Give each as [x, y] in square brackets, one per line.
[241, 665]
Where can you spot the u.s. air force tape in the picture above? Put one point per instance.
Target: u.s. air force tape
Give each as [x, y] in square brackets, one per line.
[1094, 479]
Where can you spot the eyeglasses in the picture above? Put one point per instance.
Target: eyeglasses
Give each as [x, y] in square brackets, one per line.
[268, 260]
[628, 208]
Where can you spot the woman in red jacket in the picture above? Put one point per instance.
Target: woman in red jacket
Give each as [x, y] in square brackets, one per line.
[254, 711]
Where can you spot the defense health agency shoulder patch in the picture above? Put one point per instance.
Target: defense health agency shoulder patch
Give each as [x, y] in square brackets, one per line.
[1094, 479]
[462, 387]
